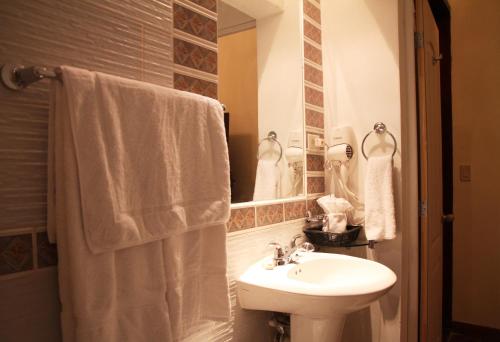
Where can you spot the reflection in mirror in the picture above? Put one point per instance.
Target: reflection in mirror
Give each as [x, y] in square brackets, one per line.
[261, 86]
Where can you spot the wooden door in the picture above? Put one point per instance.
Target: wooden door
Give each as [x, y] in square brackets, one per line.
[431, 187]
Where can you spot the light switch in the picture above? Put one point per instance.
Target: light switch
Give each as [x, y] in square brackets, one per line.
[465, 173]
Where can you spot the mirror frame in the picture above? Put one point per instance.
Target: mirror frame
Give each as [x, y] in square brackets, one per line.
[247, 215]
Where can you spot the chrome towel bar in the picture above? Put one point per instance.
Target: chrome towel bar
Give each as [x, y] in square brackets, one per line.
[272, 137]
[17, 77]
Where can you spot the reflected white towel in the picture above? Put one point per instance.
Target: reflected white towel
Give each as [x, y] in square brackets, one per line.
[380, 222]
[267, 180]
[151, 291]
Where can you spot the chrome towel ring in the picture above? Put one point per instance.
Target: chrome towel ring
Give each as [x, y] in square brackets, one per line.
[379, 128]
[272, 137]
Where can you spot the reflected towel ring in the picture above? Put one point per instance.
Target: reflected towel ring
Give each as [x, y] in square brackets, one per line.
[272, 137]
[379, 128]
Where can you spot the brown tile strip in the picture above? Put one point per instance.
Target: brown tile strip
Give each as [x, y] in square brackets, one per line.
[195, 85]
[194, 23]
[243, 218]
[194, 56]
[312, 11]
[208, 4]
[269, 214]
[313, 75]
[315, 162]
[16, 253]
[313, 207]
[312, 32]
[47, 252]
[315, 119]
[295, 210]
[315, 185]
[314, 97]
[312, 53]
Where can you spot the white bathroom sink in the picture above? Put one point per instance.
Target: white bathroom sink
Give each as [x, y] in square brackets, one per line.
[318, 292]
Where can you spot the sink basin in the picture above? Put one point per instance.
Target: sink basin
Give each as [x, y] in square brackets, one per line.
[318, 292]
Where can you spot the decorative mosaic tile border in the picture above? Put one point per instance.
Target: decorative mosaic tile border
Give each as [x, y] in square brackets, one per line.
[194, 23]
[264, 214]
[314, 103]
[25, 249]
[313, 53]
[195, 46]
[210, 5]
[315, 162]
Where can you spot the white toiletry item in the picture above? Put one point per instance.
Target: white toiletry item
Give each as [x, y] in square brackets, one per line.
[331, 204]
[336, 210]
[336, 223]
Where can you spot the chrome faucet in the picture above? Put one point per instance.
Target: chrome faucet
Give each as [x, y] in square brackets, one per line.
[283, 256]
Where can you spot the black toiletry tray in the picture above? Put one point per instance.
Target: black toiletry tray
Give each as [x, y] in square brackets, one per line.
[317, 236]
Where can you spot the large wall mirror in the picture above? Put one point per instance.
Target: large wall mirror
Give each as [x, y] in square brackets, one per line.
[260, 63]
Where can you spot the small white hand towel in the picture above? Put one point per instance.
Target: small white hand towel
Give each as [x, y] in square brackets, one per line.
[267, 180]
[380, 220]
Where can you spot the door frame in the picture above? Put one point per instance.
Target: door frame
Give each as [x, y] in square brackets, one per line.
[441, 13]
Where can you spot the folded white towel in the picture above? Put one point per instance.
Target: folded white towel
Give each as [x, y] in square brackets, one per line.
[380, 220]
[267, 180]
[152, 161]
[134, 138]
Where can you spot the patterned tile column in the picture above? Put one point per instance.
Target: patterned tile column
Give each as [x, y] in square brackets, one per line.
[314, 102]
[195, 46]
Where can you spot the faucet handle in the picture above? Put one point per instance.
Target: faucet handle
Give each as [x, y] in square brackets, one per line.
[278, 250]
[306, 247]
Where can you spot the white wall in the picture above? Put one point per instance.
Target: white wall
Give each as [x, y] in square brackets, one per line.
[280, 77]
[362, 86]
[128, 39]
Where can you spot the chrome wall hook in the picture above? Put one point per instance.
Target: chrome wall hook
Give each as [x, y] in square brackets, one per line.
[272, 137]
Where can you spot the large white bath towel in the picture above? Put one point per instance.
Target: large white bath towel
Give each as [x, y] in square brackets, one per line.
[152, 162]
[138, 200]
[380, 222]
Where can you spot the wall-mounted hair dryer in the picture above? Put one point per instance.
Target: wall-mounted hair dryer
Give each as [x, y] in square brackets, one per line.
[339, 156]
[340, 151]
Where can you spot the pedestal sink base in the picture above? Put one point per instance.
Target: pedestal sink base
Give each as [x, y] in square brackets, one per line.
[306, 329]
[318, 291]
